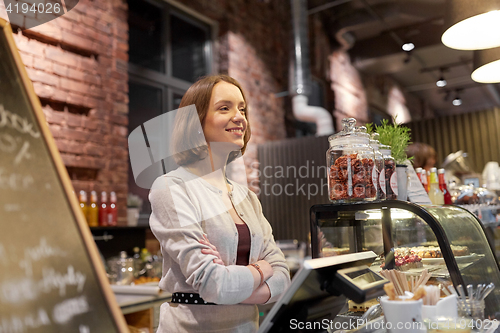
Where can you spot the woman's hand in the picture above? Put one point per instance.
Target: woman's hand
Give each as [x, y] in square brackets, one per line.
[212, 250]
[267, 272]
[266, 269]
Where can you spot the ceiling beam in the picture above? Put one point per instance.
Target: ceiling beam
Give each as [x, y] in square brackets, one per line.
[326, 6]
[465, 62]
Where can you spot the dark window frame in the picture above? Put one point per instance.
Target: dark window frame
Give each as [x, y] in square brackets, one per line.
[171, 83]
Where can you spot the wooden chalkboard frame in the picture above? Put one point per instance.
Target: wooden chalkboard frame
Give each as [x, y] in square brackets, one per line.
[79, 219]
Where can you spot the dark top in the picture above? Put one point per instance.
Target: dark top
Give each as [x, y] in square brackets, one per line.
[243, 253]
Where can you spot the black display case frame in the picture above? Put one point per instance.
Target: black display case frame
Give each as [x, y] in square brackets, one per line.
[331, 211]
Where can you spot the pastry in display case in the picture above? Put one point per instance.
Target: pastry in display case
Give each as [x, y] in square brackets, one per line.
[444, 246]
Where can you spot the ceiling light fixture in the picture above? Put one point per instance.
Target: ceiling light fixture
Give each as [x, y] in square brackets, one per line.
[407, 47]
[486, 66]
[472, 24]
[441, 82]
[457, 101]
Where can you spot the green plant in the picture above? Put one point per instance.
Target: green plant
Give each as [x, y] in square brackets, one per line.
[396, 136]
[369, 128]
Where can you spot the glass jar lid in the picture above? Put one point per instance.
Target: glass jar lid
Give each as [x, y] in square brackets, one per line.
[362, 136]
[349, 133]
[385, 149]
[375, 144]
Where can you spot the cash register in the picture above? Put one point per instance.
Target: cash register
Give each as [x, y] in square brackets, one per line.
[318, 292]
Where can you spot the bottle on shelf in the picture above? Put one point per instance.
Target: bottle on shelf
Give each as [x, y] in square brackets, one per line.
[103, 210]
[82, 198]
[428, 173]
[418, 171]
[93, 210]
[435, 194]
[112, 210]
[146, 256]
[423, 179]
[444, 188]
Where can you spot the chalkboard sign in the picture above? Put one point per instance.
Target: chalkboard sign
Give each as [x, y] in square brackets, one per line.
[51, 277]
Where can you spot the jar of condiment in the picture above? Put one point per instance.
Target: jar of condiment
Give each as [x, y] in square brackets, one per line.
[350, 162]
[390, 175]
[379, 166]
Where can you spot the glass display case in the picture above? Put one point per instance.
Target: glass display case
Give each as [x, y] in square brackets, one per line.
[447, 241]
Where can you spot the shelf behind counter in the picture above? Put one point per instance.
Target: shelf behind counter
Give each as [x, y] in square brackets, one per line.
[140, 311]
[112, 240]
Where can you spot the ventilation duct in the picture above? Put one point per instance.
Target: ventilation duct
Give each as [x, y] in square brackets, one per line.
[300, 75]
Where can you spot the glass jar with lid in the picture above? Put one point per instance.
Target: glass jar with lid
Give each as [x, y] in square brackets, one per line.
[390, 174]
[350, 162]
[379, 166]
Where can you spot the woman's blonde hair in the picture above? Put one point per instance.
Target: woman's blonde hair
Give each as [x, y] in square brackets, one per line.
[185, 135]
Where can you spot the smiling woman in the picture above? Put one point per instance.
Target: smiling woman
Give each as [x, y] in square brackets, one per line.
[207, 95]
[226, 117]
[219, 254]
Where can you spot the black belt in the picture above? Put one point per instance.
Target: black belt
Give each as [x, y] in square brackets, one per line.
[189, 298]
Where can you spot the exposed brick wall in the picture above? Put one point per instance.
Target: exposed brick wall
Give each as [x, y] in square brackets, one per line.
[78, 65]
[356, 95]
[253, 47]
[350, 95]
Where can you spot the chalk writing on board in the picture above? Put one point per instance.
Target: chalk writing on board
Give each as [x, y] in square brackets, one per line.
[9, 144]
[54, 280]
[11, 207]
[16, 122]
[18, 291]
[67, 309]
[23, 289]
[15, 181]
[23, 153]
[19, 324]
[39, 252]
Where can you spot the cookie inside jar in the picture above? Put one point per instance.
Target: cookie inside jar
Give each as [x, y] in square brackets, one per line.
[351, 166]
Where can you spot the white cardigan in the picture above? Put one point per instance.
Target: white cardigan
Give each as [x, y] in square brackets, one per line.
[184, 206]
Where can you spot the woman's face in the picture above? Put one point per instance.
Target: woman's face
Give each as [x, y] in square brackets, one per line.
[226, 117]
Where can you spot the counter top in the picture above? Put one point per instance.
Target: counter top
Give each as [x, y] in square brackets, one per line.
[130, 303]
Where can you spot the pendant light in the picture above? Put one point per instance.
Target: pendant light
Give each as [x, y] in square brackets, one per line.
[457, 101]
[441, 82]
[486, 66]
[472, 24]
